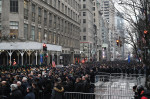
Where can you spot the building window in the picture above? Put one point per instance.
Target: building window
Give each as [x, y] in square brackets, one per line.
[39, 15]
[45, 17]
[50, 37]
[84, 29]
[39, 35]
[58, 24]
[62, 7]
[33, 12]
[14, 26]
[62, 25]
[54, 3]
[58, 4]
[65, 41]
[50, 20]
[68, 28]
[54, 39]
[66, 10]
[26, 9]
[46, 1]
[50, 1]
[84, 20]
[54, 22]
[58, 39]
[84, 13]
[32, 36]
[84, 5]
[45, 35]
[13, 5]
[26, 31]
[71, 14]
[93, 8]
[84, 38]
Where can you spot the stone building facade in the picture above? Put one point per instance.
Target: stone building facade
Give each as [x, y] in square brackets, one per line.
[34, 22]
[87, 30]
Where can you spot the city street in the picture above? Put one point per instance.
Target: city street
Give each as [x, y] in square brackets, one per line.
[74, 49]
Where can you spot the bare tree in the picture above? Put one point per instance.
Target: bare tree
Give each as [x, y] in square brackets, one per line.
[136, 15]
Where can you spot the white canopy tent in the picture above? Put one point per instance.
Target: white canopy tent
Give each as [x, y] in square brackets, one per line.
[28, 46]
[10, 47]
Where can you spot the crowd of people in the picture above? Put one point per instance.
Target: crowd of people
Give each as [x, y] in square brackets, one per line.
[46, 82]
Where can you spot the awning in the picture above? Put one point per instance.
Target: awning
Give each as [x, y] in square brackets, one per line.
[28, 46]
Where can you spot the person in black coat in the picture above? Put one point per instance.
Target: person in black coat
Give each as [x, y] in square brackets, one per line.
[30, 94]
[20, 86]
[35, 90]
[4, 90]
[25, 84]
[135, 92]
[58, 91]
[15, 92]
[85, 85]
[77, 85]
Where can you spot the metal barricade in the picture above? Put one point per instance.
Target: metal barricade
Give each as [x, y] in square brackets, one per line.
[115, 76]
[102, 78]
[118, 85]
[80, 95]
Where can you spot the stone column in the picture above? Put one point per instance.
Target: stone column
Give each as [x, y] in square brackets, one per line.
[22, 57]
[36, 57]
[10, 53]
[29, 53]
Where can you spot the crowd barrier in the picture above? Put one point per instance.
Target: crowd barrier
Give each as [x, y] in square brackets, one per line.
[79, 95]
[103, 77]
[117, 85]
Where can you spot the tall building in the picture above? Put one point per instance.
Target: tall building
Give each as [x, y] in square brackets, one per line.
[120, 35]
[87, 30]
[27, 24]
[108, 11]
[102, 32]
[105, 39]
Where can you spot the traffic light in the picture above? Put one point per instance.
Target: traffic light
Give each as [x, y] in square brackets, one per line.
[145, 31]
[117, 41]
[44, 47]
